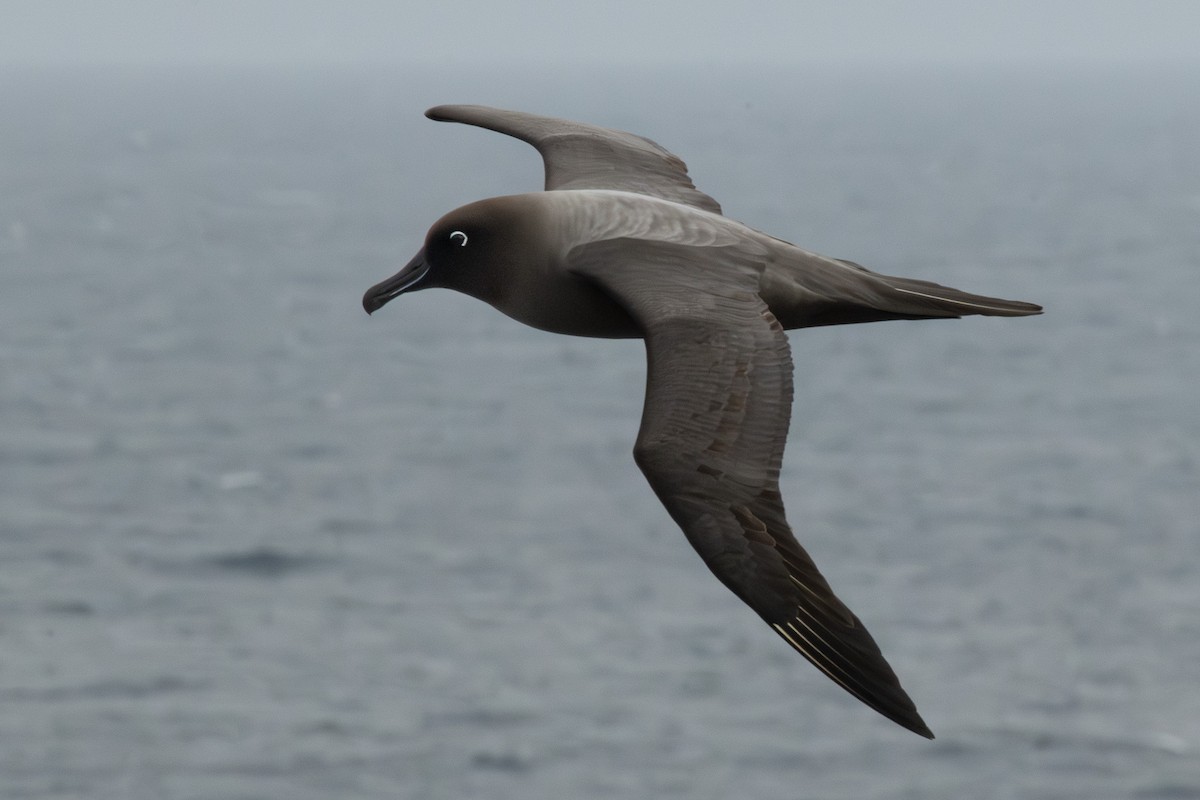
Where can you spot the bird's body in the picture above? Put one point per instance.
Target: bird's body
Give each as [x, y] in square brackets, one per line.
[622, 245]
[802, 289]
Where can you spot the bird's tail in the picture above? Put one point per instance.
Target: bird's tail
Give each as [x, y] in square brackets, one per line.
[810, 290]
[928, 299]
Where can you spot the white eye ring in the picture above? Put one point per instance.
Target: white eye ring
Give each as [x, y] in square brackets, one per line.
[455, 236]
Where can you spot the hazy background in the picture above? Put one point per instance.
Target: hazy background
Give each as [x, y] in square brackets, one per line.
[255, 544]
[282, 31]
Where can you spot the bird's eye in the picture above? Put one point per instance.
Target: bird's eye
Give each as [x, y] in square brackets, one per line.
[459, 238]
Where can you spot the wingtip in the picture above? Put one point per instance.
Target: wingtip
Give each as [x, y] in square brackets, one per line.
[906, 718]
[921, 729]
[454, 112]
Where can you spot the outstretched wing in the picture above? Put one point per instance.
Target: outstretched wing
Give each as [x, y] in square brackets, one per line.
[718, 404]
[582, 156]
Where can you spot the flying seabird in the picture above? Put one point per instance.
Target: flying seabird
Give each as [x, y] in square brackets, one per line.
[623, 245]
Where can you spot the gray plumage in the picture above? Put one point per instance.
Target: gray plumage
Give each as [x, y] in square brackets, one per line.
[622, 244]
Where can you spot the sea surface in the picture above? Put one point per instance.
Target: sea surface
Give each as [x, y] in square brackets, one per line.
[256, 545]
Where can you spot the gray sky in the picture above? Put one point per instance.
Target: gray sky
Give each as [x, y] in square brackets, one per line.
[285, 31]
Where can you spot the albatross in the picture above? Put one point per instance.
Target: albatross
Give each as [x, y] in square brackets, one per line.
[621, 244]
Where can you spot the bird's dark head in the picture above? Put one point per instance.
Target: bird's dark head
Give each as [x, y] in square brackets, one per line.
[468, 250]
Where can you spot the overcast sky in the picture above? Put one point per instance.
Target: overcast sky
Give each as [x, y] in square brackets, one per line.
[284, 31]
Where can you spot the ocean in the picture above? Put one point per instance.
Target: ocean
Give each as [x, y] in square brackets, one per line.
[255, 544]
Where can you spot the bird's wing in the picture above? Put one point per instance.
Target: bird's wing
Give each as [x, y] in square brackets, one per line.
[718, 404]
[582, 156]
